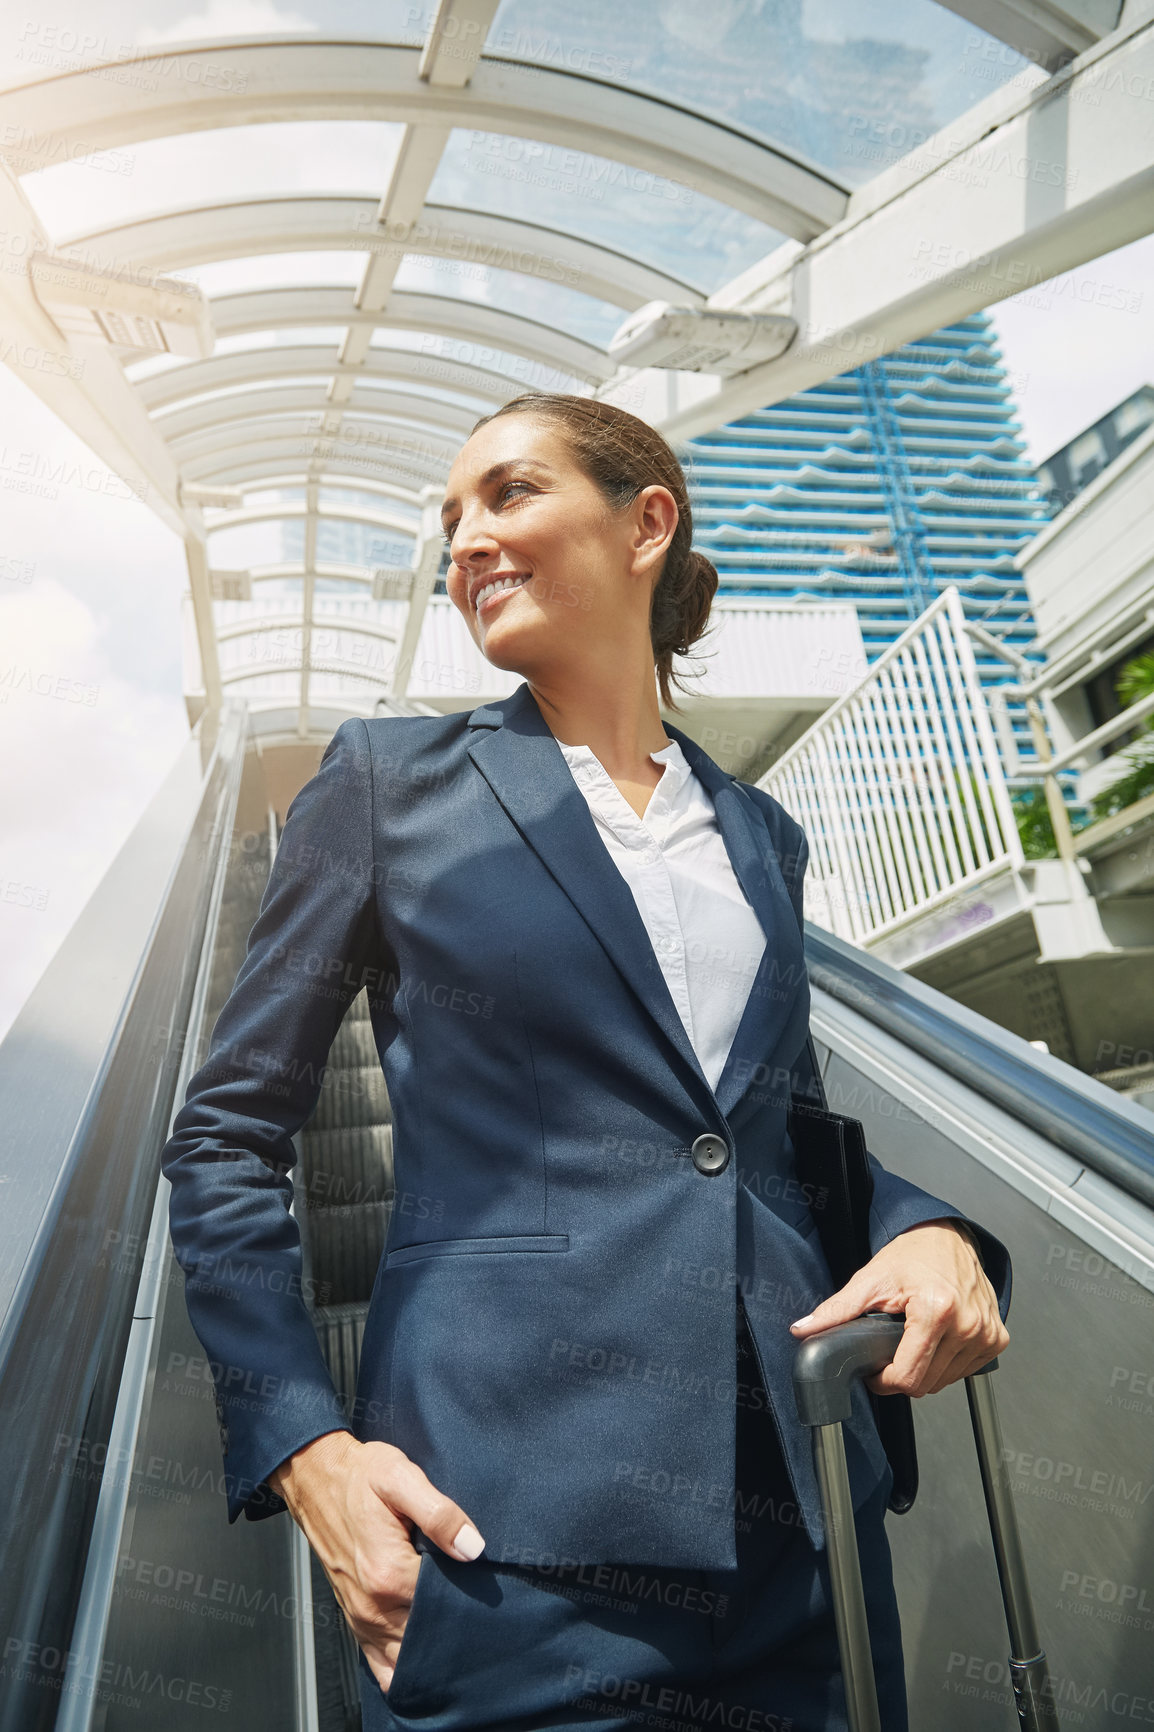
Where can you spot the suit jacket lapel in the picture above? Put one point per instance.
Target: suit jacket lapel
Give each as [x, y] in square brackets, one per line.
[514, 749]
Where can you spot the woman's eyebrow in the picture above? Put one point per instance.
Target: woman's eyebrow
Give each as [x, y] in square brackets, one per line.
[495, 473]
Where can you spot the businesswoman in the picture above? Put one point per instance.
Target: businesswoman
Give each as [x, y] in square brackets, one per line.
[572, 1489]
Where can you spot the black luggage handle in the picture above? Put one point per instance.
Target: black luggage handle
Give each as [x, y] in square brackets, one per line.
[827, 1364]
[824, 1373]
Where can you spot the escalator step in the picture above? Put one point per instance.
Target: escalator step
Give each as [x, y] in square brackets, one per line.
[341, 1329]
[354, 1043]
[345, 1247]
[353, 1094]
[346, 1166]
[338, 1691]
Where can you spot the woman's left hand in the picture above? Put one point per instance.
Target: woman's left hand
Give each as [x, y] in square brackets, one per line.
[933, 1273]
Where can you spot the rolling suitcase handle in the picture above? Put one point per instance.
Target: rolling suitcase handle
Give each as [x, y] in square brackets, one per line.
[823, 1378]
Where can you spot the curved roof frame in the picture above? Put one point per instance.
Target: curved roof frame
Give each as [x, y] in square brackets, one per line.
[292, 508]
[261, 624]
[249, 475]
[252, 228]
[338, 427]
[359, 585]
[379, 416]
[250, 366]
[264, 400]
[215, 460]
[445, 316]
[242, 83]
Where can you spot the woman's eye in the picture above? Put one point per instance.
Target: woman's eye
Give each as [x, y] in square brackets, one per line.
[448, 534]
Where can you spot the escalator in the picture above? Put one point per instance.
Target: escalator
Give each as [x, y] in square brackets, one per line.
[130, 1604]
[344, 1198]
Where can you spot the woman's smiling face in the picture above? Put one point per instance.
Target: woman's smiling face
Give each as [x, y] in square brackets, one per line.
[541, 566]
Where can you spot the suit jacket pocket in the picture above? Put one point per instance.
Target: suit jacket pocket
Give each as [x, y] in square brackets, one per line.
[477, 1247]
[409, 1654]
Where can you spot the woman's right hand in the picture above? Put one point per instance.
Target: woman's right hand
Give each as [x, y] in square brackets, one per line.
[357, 1504]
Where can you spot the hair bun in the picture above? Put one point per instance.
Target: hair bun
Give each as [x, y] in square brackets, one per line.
[681, 604]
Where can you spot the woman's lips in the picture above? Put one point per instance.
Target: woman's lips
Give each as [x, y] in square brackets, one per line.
[492, 601]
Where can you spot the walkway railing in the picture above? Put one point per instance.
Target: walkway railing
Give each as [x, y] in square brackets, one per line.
[899, 786]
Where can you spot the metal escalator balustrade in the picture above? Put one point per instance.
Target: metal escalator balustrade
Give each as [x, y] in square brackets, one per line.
[1114, 1137]
[1058, 1166]
[80, 1131]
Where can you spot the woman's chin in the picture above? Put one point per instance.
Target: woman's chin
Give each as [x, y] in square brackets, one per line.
[508, 647]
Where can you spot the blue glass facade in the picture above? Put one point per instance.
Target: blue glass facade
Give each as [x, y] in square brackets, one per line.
[880, 488]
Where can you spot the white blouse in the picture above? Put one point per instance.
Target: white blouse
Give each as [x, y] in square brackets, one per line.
[706, 936]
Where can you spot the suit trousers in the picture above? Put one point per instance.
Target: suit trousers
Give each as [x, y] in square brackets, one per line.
[514, 1646]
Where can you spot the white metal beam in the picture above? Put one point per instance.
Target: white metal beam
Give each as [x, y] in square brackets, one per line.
[200, 586]
[260, 365]
[241, 83]
[252, 228]
[260, 625]
[277, 469]
[1045, 32]
[554, 352]
[455, 40]
[421, 413]
[342, 670]
[240, 456]
[242, 519]
[1032, 184]
[78, 378]
[370, 437]
[448, 59]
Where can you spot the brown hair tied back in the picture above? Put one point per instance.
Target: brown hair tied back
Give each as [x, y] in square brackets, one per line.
[622, 454]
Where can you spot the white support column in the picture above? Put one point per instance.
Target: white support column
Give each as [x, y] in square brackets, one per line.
[308, 593]
[426, 564]
[200, 584]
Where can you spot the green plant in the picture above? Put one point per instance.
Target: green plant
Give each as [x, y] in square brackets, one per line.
[1135, 782]
[1035, 828]
[1135, 682]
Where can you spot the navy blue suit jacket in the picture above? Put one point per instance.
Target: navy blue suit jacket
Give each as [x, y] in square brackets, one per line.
[552, 1329]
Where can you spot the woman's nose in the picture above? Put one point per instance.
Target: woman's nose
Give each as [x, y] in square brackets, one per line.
[472, 538]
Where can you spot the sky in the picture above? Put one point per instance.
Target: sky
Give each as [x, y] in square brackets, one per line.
[92, 715]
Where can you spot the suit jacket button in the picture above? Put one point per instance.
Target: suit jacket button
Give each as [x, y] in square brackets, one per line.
[710, 1153]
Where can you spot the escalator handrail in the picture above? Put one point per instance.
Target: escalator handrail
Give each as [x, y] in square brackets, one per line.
[1104, 1130]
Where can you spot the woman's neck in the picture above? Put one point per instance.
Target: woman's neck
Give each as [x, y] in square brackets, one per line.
[614, 712]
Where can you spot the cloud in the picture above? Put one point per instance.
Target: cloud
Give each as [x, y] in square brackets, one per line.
[228, 18]
[82, 750]
[1078, 344]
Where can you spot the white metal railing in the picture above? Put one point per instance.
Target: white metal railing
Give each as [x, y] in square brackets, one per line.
[899, 786]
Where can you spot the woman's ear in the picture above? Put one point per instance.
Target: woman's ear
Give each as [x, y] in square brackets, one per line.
[655, 518]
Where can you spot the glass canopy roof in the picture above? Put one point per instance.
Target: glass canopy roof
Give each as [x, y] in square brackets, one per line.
[401, 216]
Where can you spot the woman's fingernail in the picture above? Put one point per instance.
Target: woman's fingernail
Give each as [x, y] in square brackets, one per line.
[468, 1543]
[802, 1320]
